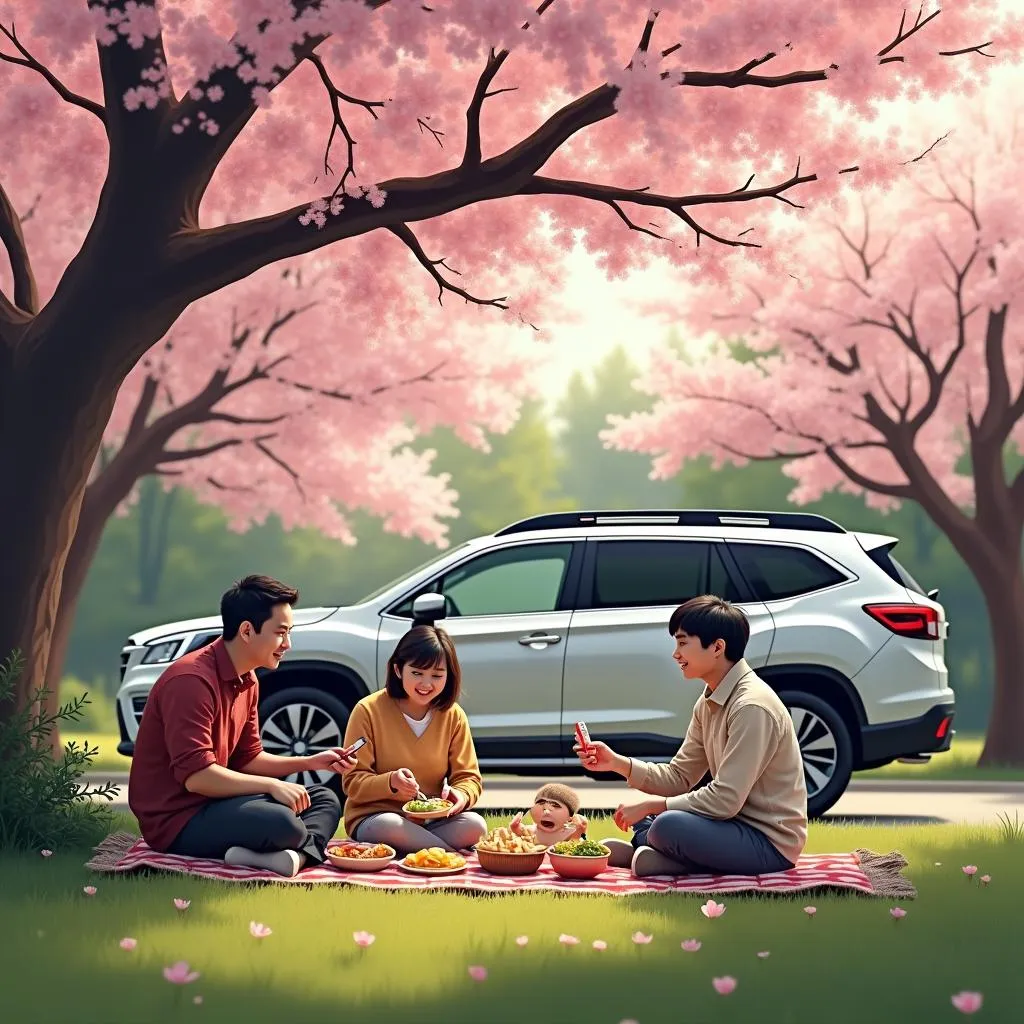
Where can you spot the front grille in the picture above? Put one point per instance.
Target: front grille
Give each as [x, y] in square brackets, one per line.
[138, 706]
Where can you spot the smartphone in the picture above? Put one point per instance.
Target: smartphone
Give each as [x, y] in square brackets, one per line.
[359, 743]
[583, 735]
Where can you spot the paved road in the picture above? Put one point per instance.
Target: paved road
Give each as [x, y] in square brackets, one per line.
[863, 802]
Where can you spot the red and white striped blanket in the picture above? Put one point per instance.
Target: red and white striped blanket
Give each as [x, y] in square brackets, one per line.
[861, 871]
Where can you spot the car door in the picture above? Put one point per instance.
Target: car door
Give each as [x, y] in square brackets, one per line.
[619, 674]
[508, 611]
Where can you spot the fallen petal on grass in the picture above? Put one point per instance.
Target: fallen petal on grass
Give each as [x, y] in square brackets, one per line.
[46, 853]
[764, 954]
[478, 973]
[690, 945]
[969, 869]
[723, 986]
[640, 939]
[179, 974]
[600, 945]
[897, 912]
[522, 940]
[258, 930]
[363, 939]
[568, 940]
[712, 909]
[89, 890]
[810, 911]
[985, 879]
[128, 943]
[182, 904]
[967, 1002]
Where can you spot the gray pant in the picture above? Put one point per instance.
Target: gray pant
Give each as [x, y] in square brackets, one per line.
[709, 846]
[459, 832]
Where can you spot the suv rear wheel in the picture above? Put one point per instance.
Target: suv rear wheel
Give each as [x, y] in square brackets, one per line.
[303, 720]
[825, 746]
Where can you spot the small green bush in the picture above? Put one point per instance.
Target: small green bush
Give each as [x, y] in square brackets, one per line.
[43, 802]
[99, 716]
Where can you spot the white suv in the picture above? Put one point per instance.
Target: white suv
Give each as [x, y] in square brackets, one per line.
[563, 618]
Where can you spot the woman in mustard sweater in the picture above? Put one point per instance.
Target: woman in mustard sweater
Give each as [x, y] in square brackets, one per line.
[416, 737]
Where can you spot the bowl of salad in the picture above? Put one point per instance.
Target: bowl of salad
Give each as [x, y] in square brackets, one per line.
[579, 858]
[426, 810]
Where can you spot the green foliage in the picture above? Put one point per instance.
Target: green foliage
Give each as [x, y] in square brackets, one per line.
[43, 804]
[98, 714]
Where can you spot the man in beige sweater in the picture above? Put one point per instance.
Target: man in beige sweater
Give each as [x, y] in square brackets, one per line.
[751, 818]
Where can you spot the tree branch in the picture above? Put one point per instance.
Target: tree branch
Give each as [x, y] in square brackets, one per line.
[186, 454]
[404, 232]
[278, 461]
[26, 60]
[472, 155]
[133, 124]
[26, 294]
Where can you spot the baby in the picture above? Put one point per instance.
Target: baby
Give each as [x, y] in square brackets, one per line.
[555, 816]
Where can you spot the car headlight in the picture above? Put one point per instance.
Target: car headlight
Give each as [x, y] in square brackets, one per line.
[161, 652]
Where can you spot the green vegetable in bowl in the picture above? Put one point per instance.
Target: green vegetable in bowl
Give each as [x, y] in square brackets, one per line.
[426, 806]
[581, 848]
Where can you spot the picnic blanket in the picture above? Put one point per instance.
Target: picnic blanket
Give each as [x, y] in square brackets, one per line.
[862, 871]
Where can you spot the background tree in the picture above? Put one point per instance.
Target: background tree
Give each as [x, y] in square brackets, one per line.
[163, 130]
[891, 366]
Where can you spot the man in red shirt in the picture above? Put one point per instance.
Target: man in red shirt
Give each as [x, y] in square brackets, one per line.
[201, 784]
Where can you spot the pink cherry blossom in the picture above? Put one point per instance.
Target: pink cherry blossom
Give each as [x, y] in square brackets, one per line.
[897, 913]
[363, 939]
[600, 945]
[180, 974]
[764, 954]
[568, 940]
[724, 986]
[967, 1002]
[810, 911]
[691, 945]
[46, 853]
[258, 930]
[985, 879]
[711, 909]
[478, 973]
[969, 870]
[522, 940]
[89, 890]
[128, 943]
[640, 939]
[182, 904]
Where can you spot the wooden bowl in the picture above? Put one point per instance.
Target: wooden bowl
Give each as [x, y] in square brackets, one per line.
[425, 815]
[578, 867]
[510, 863]
[336, 855]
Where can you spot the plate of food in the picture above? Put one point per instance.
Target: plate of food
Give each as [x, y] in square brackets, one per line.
[433, 861]
[427, 809]
[502, 852]
[579, 858]
[352, 856]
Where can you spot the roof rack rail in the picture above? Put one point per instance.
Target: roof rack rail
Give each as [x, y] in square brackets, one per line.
[674, 517]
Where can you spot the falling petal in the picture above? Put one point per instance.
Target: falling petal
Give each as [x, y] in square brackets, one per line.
[690, 945]
[128, 943]
[363, 939]
[258, 930]
[723, 986]
[478, 973]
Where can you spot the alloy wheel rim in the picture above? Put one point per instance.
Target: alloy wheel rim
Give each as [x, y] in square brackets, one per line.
[297, 730]
[819, 749]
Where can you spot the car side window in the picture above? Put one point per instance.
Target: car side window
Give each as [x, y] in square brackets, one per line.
[641, 573]
[509, 581]
[720, 581]
[776, 571]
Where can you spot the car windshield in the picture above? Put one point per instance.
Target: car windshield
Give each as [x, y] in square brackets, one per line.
[412, 572]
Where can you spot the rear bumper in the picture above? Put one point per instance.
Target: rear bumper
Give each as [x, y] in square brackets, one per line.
[932, 733]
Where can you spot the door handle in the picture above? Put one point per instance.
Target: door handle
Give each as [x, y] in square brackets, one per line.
[539, 638]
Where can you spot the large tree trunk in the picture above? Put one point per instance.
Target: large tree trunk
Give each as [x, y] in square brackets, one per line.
[1004, 599]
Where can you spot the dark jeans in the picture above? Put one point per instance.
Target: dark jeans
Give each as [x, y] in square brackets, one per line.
[709, 846]
[259, 823]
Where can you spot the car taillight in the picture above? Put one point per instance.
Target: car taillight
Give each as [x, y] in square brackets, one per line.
[910, 620]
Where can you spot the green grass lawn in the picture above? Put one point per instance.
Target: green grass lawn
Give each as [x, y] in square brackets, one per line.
[850, 963]
[956, 764]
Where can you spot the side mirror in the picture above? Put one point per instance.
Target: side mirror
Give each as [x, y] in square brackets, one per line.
[428, 608]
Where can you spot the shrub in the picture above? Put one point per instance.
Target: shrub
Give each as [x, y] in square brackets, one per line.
[99, 716]
[43, 802]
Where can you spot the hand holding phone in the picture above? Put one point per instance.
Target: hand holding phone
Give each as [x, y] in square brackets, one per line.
[358, 745]
[583, 736]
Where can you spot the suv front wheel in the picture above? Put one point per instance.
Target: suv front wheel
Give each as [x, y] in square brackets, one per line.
[303, 720]
[825, 746]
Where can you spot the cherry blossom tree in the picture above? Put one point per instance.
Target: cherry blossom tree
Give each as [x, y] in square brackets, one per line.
[197, 142]
[889, 364]
[257, 409]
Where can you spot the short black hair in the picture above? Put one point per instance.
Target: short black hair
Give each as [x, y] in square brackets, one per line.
[253, 599]
[711, 618]
[425, 647]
